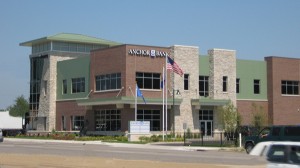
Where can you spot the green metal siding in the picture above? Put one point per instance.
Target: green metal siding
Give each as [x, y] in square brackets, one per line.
[203, 65]
[75, 68]
[247, 71]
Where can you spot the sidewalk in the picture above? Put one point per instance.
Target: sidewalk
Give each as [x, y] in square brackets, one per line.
[157, 145]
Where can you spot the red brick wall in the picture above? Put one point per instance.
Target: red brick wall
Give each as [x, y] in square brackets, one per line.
[68, 109]
[245, 108]
[117, 59]
[284, 108]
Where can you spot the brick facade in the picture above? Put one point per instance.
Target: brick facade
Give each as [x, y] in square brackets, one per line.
[284, 109]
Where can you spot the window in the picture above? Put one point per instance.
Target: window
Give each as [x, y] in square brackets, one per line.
[256, 86]
[148, 80]
[276, 131]
[45, 88]
[150, 115]
[237, 85]
[108, 82]
[78, 85]
[65, 87]
[206, 115]
[38, 48]
[290, 87]
[77, 122]
[276, 153]
[291, 131]
[186, 81]
[68, 47]
[203, 86]
[63, 123]
[108, 120]
[225, 83]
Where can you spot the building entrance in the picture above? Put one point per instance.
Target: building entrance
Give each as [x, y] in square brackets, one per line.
[206, 127]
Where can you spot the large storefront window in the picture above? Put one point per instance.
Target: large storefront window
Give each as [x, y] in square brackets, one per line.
[108, 82]
[148, 80]
[108, 120]
[77, 122]
[150, 115]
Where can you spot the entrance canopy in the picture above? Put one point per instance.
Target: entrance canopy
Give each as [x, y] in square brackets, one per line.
[125, 100]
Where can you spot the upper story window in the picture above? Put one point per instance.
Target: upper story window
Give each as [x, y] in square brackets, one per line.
[78, 85]
[290, 87]
[75, 47]
[203, 86]
[256, 86]
[225, 83]
[186, 81]
[64, 87]
[108, 82]
[38, 48]
[148, 80]
[238, 85]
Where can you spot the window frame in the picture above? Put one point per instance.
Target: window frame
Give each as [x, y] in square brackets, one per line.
[153, 116]
[107, 82]
[238, 82]
[289, 87]
[108, 120]
[75, 121]
[203, 113]
[204, 80]
[225, 84]
[148, 80]
[78, 85]
[256, 86]
[65, 86]
[186, 82]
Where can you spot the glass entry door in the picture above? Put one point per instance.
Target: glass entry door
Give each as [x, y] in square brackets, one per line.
[206, 127]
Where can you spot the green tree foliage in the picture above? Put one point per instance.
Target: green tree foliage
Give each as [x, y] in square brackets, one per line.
[20, 107]
[259, 117]
[229, 117]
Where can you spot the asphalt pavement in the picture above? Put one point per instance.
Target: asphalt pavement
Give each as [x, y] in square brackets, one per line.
[157, 145]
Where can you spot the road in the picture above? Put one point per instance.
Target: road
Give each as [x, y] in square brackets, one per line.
[81, 154]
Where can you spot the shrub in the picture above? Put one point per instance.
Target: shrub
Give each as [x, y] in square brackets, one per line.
[154, 138]
[144, 139]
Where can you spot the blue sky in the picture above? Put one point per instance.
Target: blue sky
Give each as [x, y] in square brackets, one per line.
[255, 28]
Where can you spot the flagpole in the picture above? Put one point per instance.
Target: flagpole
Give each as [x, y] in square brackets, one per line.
[166, 87]
[135, 111]
[163, 94]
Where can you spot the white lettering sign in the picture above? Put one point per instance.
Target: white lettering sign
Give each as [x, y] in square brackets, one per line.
[147, 53]
[139, 127]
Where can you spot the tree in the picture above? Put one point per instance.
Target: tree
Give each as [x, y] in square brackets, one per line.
[229, 118]
[20, 107]
[259, 117]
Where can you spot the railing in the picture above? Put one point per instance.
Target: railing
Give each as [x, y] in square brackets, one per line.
[219, 139]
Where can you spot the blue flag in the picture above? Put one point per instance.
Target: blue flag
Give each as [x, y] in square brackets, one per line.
[139, 93]
[162, 83]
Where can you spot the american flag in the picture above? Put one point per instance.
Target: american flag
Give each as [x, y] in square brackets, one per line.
[171, 65]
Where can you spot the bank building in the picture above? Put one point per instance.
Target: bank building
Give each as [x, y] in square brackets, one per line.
[80, 81]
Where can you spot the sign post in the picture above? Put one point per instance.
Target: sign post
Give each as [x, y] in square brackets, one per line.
[184, 128]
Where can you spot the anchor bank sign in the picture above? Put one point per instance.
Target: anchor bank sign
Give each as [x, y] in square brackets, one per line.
[147, 53]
